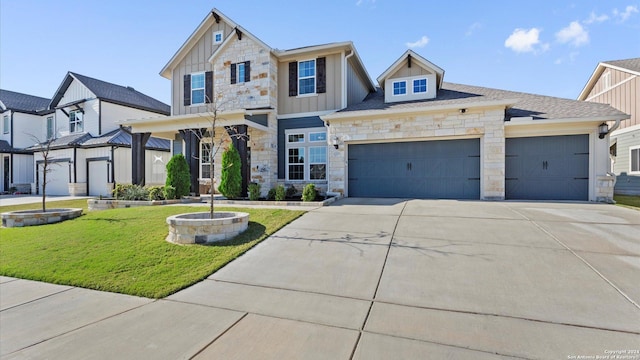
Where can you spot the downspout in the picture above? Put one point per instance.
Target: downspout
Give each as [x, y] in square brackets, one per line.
[615, 126]
[75, 153]
[344, 79]
[11, 155]
[113, 168]
[99, 117]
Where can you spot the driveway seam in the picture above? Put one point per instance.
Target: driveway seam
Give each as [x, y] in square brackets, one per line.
[219, 336]
[583, 260]
[40, 298]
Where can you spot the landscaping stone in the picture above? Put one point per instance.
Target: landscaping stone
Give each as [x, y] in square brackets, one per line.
[198, 228]
[105, 204]
[37, 217]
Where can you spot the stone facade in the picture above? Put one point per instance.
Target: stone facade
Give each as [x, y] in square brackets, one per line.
[486, 124]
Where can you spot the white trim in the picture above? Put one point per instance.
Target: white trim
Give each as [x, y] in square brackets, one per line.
[204, 87]
[393, 87]
[631, 148]
[625, 130]
[421, 60]
[315, 78]
[522, 122]
[306, 114]
[218, 32]
[607, 89]
[426, 85]
[306, 145]
[6, 125]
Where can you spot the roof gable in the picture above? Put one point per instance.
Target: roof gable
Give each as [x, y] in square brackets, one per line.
[411, 57]
[631, 66]
[117, 94]
[11, 100]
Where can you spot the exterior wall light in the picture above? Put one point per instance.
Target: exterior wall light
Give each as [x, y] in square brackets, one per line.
[334, 142]
[603, 130]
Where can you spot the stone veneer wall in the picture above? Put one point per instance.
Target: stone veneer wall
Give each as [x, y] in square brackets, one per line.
[78, 189]
[488, 125]
[264, 155]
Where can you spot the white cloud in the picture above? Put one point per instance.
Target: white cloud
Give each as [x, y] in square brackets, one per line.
[624, 15]
[422, 42]
[593, 18]
[522, 40]
[473, 27]
[574, 34]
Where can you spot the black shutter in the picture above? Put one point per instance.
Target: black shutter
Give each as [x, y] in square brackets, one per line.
[321, 75]
[233, 74]
[187, 90]
[247, 71]
[208, 87]
[293, 78]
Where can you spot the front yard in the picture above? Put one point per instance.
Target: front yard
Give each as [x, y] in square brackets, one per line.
[123, 250]
[632, 201]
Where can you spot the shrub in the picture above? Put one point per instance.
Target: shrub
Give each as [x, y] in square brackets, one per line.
[280, 193]
[130, 192]
[272, 194]
[178, 176]
[230, 178]
[309, 193]
[254, 191]
[156, 193]
[291, 191]
[169, 192]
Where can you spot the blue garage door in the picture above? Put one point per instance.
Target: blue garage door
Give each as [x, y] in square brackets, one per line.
[547, 168]
[448, 169]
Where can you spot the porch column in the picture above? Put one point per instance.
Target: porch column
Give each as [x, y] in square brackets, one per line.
[138, 143]
[192, 154]
[238, 136]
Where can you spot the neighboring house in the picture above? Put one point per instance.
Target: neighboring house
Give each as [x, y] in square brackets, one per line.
[313, 115]
[89, 152]
[617, 83]
[22, 116]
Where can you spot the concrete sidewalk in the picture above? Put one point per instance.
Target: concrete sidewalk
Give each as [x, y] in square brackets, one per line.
[371, 279]
[8, 200]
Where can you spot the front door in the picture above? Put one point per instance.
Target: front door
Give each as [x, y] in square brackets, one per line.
[6, 170]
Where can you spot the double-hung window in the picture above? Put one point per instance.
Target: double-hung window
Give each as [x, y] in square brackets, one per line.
[307, 77]
[5, 124]
[50, 127]
[76, 123]
[197, 88]
[399, 88]
[205, 160]
[634, 160]
[306, 154]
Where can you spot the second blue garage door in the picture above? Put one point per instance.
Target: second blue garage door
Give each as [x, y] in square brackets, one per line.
[448, 169]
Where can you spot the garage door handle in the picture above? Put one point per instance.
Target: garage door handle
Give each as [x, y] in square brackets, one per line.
[409, 166]
[511, 178]
[580, 178]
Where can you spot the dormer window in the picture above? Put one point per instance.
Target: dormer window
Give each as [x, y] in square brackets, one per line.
[76, 125]
[218, 36]
[399, 88]
[420, 86]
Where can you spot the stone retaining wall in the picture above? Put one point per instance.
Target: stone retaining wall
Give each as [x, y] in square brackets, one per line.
[197, 228]
[35, 217]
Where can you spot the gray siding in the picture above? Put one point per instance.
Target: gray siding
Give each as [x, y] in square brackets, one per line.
[330, 100]
[296, 123]
[195, 61]
[406, 71]
[625, 97]
[356, 88]
[626, 183]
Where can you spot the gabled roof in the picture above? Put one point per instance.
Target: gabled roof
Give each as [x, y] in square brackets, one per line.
[213, 16]
[63, 141]
[11, 100]
[538, 107]
[117, 94]
[631, 66]
[122, 137]
[414, 57]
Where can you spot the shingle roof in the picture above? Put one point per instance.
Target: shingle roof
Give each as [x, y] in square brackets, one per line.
[4, 146]
[123, 95]
[536, 106]
[22, 102]
[629, 64]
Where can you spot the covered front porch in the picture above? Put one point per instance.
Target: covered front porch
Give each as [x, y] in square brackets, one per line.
[192, 135]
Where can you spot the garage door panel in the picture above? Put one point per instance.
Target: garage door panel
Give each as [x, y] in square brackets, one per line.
[426, 169]
[57, 178]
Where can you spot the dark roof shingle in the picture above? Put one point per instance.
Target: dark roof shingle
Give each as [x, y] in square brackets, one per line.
[22, 102]
[629, 64]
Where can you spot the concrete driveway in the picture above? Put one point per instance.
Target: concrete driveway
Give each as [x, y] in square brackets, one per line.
[373, 279]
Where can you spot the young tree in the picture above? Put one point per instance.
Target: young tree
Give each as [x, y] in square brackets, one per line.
[44, 148]
[178, 175]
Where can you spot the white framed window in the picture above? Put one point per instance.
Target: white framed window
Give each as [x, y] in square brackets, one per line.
[399, 88]
[76, 123]
[197, 88]
[5, 124]
[634, 160]
[218, 37]
[306, 154]
[419, 86]
[606, 80]
[240, 73]
[307, 77]
[50, 127]
[205, 160]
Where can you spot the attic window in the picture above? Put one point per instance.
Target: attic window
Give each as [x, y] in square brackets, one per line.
[218, 36]
[399, 88]
[76, 125]
[419, 86]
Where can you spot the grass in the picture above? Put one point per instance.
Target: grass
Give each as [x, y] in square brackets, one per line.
[123, 250]
[632, 201]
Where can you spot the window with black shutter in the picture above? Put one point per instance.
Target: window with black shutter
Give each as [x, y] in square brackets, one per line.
[187, 90]
[321, 81]
[241, 72]
[293, 78]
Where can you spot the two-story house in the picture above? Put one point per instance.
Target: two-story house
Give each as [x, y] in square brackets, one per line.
[313, 115]
[22, 116]
[617, 83]
[89, 150]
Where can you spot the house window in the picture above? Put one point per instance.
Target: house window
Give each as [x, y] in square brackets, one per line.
[205, 160]
[399, 87]
[307, 77]
[240, 73]
[307, 155]
[419, 86]
[217, 37]
[5, 124]
[50, 128]
[197, 88]
[76, 124]
[634, 159]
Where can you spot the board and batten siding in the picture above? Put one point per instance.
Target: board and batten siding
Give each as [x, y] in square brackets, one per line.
[626, 183]
[195, 61]
[624, 97]
[406, 71]
[76, 91]
[26, 130]
[329, 100]
[356, 88]
[22, 169]
[112, 113]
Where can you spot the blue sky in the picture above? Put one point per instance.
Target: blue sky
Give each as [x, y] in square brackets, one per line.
[543, 47]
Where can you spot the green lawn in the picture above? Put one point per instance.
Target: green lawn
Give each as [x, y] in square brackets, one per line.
[123, 250]
[628, 200]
